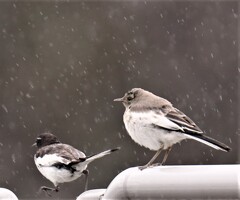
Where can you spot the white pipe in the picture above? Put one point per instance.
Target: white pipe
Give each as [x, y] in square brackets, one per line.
[95, 194]
[6, 194]
[177, 182]
[173, 182]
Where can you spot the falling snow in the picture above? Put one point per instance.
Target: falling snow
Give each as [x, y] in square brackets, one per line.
[63, 63]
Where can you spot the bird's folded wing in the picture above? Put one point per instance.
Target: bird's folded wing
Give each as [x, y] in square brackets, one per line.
[59, 153]
[51, 159]
[156, 118]
[183, 121]
[164, 122]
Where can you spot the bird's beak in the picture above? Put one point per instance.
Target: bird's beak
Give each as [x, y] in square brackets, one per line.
[119, 99]
[34, 145]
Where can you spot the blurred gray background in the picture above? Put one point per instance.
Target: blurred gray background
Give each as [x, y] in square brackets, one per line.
[63, 63]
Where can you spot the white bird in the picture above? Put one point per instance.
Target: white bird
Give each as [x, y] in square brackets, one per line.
[154, 123]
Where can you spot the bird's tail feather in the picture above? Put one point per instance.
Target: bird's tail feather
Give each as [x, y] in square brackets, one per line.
[100, 155]
[210, 142]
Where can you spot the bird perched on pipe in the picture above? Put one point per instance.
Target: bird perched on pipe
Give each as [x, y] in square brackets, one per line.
[154, 123]
[60, 162]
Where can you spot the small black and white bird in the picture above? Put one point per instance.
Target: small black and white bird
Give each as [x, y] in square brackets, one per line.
[154, 123]
[61, 163]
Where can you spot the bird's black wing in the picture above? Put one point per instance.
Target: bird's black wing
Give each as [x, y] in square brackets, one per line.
[183, 121]
[192, 130]
[60, 154]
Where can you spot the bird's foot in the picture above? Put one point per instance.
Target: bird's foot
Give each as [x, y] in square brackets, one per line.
[47, 190]
[156, 164]
[149, 166]
[144, 167]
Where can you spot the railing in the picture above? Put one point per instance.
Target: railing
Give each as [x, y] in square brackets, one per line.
[172, 182]
[6, 194]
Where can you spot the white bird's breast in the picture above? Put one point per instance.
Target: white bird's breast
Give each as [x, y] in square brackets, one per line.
[140, 127]
[55, 175]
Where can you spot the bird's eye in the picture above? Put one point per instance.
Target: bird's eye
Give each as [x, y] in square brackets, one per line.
[130, 96]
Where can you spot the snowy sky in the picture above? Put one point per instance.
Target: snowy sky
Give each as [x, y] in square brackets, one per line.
[62, 64]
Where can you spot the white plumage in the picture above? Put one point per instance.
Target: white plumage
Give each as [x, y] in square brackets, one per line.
[141, 129]
[58, 175]
[154, 123]
[61, 163]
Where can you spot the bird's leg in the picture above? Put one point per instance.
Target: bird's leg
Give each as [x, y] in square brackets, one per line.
[166, 155]
[152, 160]
[48, 189]
[86, 173]
[164, 158]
